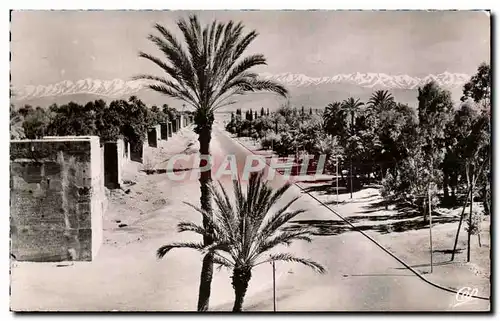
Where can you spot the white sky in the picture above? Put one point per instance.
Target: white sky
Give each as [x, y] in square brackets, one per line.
[51, 46]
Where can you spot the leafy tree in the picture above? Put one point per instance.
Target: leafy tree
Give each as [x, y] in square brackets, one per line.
[16, 124]
[72, 119]
[245, 231]
[434, 111]
[35, 123]
[205, 71]
[262, 112]
[479, 86]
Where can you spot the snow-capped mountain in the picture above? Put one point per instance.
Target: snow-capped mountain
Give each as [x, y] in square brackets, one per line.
[107, 88]
[118, 87]
[370, 80]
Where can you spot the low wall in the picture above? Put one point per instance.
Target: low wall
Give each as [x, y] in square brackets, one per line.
[114, 160]
[170, 130]
[164, 131]
[154, 135]
[57, 198]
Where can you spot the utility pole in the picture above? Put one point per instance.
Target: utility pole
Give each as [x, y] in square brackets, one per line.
[430, 221]
[274, 286]
[337, 177]
[470, 215]
[351, 176]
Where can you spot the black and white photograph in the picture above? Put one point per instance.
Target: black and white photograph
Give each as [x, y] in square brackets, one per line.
[250, 161]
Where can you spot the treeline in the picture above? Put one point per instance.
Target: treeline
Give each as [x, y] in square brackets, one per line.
[288, 131]
[121, 119]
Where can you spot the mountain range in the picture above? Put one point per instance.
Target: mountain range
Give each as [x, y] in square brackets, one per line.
[313, 92]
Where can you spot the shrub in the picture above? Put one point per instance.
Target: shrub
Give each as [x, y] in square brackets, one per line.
[270, 140]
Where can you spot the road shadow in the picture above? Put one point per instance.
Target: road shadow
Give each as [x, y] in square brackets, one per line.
[408, 222]
[326, 189]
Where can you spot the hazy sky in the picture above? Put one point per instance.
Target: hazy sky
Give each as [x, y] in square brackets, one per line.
[50, 46]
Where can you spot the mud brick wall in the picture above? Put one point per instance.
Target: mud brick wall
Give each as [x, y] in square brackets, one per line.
[164, 131]
[175, 125]
[180, 122]
[57, 199]
[126, 151]
[170, 131]
[154, 134]
[113, 159]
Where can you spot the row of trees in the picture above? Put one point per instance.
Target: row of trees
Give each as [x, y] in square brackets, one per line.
[123, 119]
[287, 131]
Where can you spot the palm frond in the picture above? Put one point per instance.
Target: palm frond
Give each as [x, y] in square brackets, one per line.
[222, 261]
[192, 227]
[278, 220]
[206, 67]
[283, 238]
[291, 258]
[162, 251]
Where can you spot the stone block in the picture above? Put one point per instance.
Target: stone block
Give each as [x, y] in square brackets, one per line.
[52, 188]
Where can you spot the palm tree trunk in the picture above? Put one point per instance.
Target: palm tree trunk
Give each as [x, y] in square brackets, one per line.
[241, 277]
[206, 204]
[352, 133]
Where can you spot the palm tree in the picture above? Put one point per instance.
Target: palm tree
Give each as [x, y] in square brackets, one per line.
[205, 72]
[245, 232]
[381, 100]
[333, 119]
[351, 107]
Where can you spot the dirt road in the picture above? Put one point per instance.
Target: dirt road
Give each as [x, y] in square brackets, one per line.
[126, 275]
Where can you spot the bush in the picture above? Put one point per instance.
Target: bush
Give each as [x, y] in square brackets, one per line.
[244, 133]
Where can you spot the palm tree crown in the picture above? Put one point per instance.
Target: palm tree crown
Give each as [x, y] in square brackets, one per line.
[205, 71]
[244, 231]
[351, 107]
[209, 68]
[381, 100]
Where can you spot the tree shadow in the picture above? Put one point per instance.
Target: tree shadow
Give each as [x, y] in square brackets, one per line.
[427, 264]
[449, 251]
[327, 189]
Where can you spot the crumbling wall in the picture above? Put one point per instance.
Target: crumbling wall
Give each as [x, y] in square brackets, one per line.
[180, 123]
[164, 131]
[170, 130]
[154, 136]
[113, 163]
[57, 199]
[126, 151]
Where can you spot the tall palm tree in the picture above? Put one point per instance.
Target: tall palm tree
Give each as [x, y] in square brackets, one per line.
[245, 232]
[381, 100]
[351, 107]
[205, 72]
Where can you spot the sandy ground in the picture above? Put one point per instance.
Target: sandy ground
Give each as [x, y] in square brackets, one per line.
[126, 275]
[395, 230]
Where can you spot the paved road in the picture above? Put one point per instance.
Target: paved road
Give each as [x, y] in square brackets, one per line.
[360, 275]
